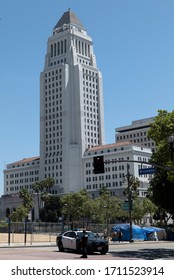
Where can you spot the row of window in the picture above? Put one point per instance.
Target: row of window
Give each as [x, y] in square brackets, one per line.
[109, 151]
[49, 104]
[58, 48]
[53, 122]
[52, 96]
[17, 188]
[90, 85]
[90, 109]
[49, 161]
[62, 60]
[82, 48]
[53, 116]
[92, 127]
[53, 167]
[53, 110]
[51, 175]
[53, 72]
[26, 164]
[21, 181]
[107, 184]
[90, 96]
[29, 187]
[56, 84]
[90, 142]
[52, 141]
[87, 62]
[90, 78]
[53, 128]
[107, 169]
[51, 148]
[53, 78]
[90, 72]
[54, 155]
[53, 135]
[21, 174]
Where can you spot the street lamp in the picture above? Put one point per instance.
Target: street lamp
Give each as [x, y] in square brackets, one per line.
[68, 218]
[171, 145]
[107, 224]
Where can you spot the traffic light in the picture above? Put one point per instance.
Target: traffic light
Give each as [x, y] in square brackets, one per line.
[7, 212]
[98, 163]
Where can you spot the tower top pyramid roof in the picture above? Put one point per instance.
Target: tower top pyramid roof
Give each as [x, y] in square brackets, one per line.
[69, 18]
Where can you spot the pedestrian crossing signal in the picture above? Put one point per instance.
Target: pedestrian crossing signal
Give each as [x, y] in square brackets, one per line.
[98, 163]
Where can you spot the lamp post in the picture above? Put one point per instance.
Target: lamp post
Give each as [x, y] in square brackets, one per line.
[69, 215]
[171, 145]
[107, 224]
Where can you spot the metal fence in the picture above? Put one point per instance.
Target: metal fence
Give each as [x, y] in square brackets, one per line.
[27, 233]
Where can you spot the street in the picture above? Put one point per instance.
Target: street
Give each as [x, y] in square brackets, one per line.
[140, 250]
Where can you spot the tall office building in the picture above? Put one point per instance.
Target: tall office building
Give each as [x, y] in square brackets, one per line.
[137, 132]
[71, 104]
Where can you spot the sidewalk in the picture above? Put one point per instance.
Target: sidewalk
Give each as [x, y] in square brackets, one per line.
[53, 243]
[22, 244]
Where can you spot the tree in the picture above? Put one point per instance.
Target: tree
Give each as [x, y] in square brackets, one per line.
[162, 184]
[132, 188]
[51, 210]
[37, 189]
[41, 188]
[107, 207]
[22, 210]
[76, 206]
[160, 130]
[142, 207]
[26, 197]
[19, 214]
[162, 192]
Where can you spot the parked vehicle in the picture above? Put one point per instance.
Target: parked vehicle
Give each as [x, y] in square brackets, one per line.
[71, 240]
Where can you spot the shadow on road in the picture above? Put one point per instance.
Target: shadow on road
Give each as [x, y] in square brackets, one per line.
[146, 254]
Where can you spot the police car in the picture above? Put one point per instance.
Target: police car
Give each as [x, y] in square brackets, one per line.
[71, 240]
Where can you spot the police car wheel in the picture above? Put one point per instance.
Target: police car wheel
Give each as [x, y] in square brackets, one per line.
[60, 245]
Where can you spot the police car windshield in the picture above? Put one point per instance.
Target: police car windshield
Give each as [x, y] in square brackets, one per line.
[90, 234]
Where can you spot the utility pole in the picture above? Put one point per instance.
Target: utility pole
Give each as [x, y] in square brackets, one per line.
[130, 202]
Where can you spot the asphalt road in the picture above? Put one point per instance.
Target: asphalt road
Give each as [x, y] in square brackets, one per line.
[142, 250]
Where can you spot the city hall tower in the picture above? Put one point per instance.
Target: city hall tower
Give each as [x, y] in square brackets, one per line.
[71, 104]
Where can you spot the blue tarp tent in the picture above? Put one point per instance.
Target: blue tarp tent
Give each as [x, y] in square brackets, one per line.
[137, 232]
[151, 232]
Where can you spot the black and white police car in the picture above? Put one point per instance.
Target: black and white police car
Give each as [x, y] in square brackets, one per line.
[71, 240]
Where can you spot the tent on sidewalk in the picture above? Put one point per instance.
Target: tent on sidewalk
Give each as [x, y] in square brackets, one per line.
[137, 232]
[154, 233]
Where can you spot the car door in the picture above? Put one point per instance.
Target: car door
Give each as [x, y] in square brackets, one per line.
[72, 240]
[66, 240]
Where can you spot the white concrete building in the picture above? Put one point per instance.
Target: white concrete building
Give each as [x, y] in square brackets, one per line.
[21, 174]
[115, 172]
[136, 132]
[71, 104]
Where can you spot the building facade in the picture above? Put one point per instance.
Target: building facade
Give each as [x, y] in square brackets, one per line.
[136, 133]
[71, 104]
[114, 178]
[21, 174]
